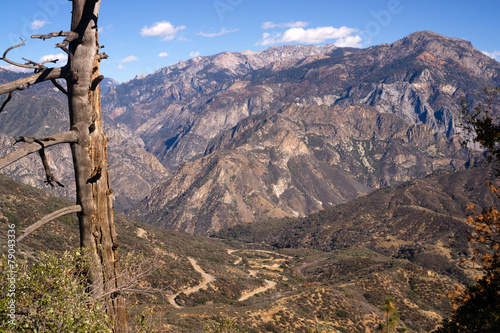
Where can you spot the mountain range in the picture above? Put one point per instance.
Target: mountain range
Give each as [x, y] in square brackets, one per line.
[42, 111]
[284, 132]
[301, 134]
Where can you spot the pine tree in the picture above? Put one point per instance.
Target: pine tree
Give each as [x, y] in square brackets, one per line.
[391, 317]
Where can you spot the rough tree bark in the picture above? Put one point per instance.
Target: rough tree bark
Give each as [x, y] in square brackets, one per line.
[89, 148]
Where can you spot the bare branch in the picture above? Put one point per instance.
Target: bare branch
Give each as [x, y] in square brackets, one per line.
[46, 219]
[6, 101]
[58, 86]
[14, 47]
[40, 65]
[68, 34]
[29, 63]
[102, 56]
[73, 36]
[33, 146]
[44, 75]
[4, 57]
[32, 139]
[48, 173]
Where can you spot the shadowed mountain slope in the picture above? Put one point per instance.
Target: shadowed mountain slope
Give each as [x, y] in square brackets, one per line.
[421, 220]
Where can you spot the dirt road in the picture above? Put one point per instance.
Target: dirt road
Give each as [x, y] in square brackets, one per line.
[269, 285]
[237, 260]
[207, 278]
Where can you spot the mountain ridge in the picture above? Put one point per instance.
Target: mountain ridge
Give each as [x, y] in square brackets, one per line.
[424, 90]
[207, 106]
[412, 88]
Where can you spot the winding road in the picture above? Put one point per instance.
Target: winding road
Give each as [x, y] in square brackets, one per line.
[237, 260]
[269, 284]
[207, 278]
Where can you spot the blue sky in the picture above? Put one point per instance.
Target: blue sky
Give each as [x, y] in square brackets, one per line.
[144, 36]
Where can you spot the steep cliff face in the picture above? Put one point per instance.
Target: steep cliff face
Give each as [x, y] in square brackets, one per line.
[427, 82]
[295, 162]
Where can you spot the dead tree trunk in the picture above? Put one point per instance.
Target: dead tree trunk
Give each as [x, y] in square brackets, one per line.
[89, 148]
[97, 230]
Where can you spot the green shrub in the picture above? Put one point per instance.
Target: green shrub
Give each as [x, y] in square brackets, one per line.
[49, 295]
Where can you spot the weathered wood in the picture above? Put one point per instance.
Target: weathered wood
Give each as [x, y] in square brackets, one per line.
[23, 83]
[97, 230]
[46, 219]
[7, 100]
[50, 179]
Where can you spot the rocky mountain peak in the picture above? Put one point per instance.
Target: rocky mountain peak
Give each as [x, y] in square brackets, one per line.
[422, 37]
[440, 51]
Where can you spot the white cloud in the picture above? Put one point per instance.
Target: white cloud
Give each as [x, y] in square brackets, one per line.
[194, 54]
[163, 54]
[495, 55]
[121, 67]
[163, 29]
[129, 59]
[223, 31]
[313, 36]
[38, 24]
[269, 39]
[60, 57]
[272, 25]
[349, 41]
